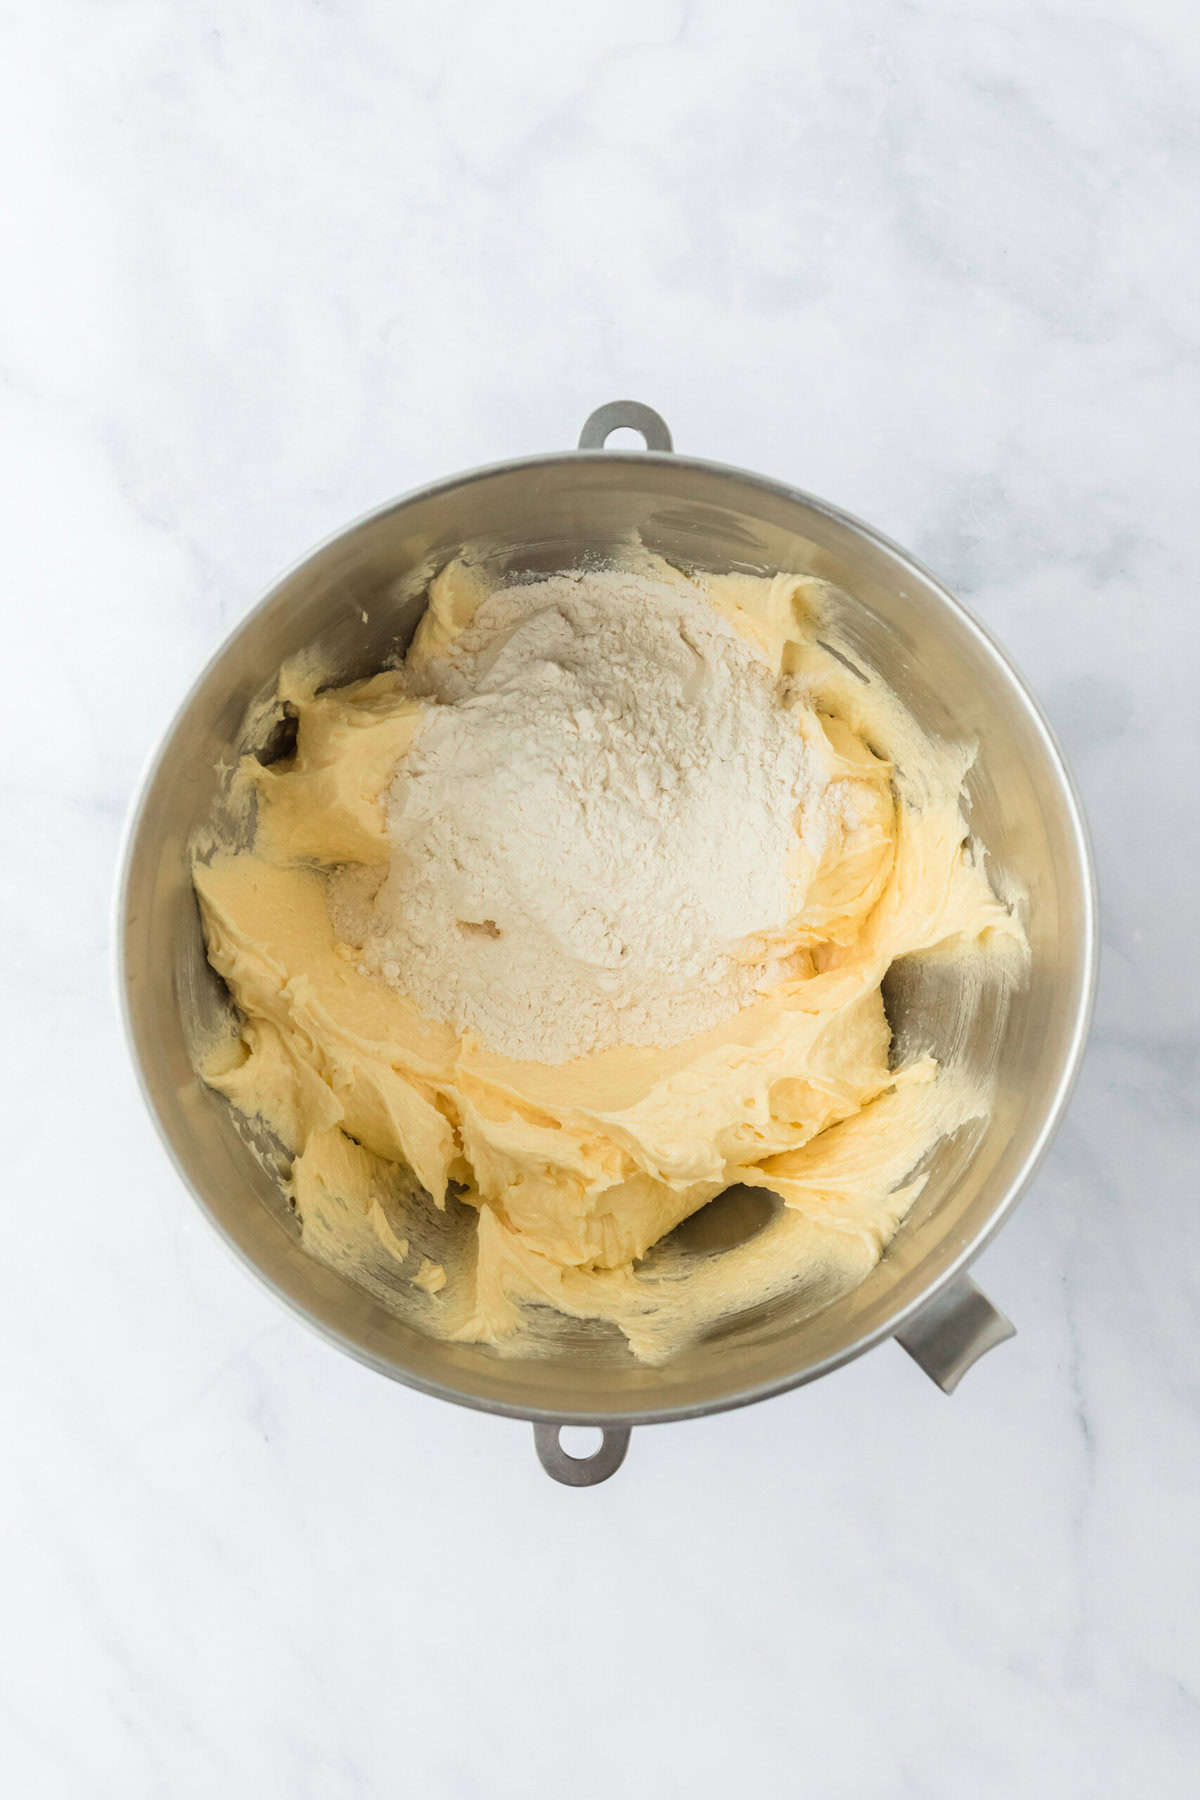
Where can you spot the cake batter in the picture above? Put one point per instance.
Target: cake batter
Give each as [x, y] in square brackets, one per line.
[538, 950]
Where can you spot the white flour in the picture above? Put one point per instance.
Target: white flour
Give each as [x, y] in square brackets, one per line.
[598, 812]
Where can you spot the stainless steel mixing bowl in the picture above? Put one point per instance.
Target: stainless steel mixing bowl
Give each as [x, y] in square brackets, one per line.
[358, 599]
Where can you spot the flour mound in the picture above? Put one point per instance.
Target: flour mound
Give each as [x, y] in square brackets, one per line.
[596, 823]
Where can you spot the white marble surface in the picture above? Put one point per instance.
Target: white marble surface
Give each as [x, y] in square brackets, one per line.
[269, 265]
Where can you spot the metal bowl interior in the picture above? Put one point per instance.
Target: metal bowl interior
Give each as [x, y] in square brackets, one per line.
[548, 513]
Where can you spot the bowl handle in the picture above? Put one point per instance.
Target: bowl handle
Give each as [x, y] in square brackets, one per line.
[956, 1328]
[580, 1471]
[950, 1334]
[630, 413]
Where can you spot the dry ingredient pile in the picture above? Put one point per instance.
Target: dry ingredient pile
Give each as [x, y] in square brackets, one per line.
[576, 919]
[594, 837]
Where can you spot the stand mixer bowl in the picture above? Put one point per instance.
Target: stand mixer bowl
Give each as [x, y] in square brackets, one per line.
[358, 600]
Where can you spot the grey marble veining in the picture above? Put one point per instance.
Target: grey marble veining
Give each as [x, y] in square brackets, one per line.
[270, 265]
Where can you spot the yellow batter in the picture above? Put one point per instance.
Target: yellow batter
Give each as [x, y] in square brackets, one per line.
[577, 1173]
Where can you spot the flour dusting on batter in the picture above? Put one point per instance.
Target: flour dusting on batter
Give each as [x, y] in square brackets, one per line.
[602, 829]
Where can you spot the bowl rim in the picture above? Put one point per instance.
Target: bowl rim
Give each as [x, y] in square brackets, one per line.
[1063, 1088]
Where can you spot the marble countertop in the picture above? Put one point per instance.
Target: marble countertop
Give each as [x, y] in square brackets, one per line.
[271, 265]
